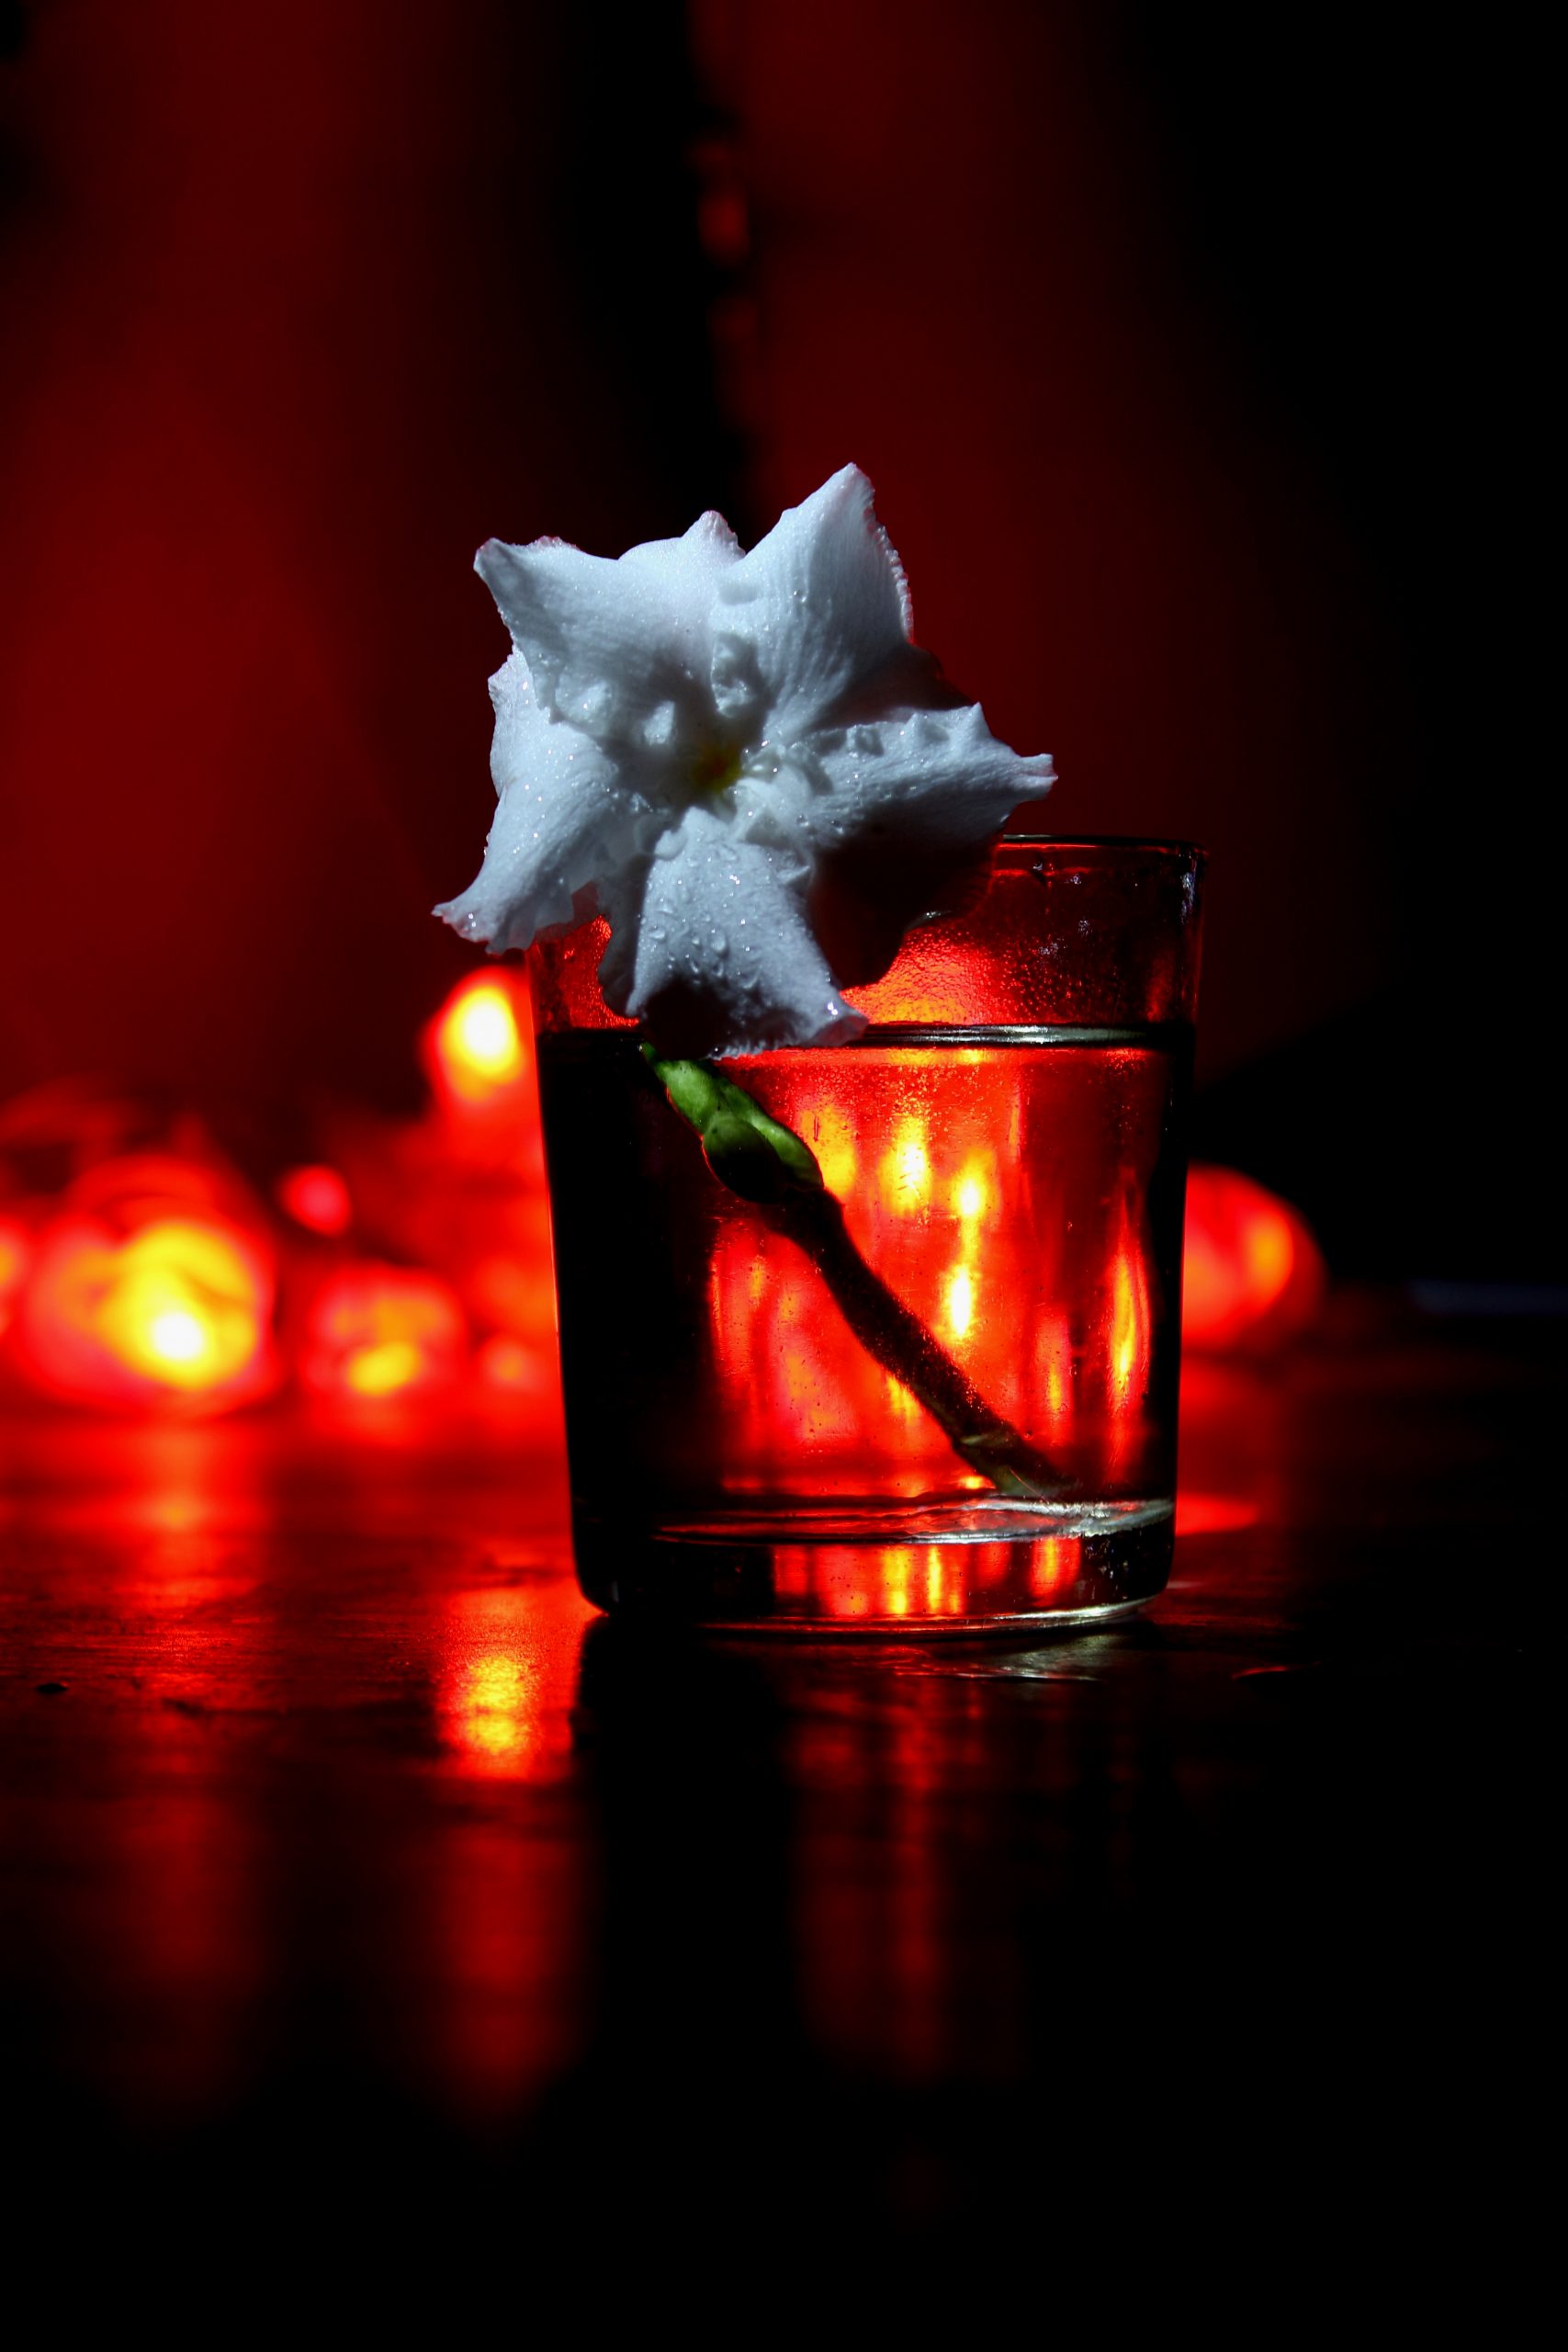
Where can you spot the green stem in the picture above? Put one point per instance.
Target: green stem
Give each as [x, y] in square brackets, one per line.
[768, 1163]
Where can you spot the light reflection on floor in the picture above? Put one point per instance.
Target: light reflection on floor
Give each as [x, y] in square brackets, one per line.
[498, 1715]
[328, 1696]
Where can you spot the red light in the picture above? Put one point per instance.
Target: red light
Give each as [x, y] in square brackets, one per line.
[376, 1330]
[506, 1362]
[478, 1043]
[15, 1257]
[1204, 1514]
[316, 1198]
[174, 1314]
[1252, 1274]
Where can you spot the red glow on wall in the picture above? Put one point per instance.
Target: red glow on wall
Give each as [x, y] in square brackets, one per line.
[1210, 1514]
[15, 1257]
[1252, 1272]
[317, 1198]
[377, 1331]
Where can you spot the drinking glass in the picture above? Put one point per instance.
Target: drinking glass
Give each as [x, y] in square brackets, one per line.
[941, 1394]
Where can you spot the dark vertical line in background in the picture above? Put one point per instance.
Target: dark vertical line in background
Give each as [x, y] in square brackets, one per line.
[15, 25]
[16, 174]
[631, 205]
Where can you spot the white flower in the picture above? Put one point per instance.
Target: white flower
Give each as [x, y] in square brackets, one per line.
[740, 760]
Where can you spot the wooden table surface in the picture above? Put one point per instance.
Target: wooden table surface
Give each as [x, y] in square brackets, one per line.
[342, 1849]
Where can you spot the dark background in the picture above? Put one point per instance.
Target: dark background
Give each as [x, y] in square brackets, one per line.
[1193, 353]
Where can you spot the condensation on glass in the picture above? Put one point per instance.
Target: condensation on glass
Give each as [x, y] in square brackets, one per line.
[949, 1403]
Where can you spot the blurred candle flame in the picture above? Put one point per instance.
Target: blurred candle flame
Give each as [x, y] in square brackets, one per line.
[378, 1330]
[478, 1044]
[177, 1312]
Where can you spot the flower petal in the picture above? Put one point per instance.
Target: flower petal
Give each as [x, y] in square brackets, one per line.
[565, 818]
[939, 778]
[618, 646]
[711, 947]
[816, 608]
[903, 827]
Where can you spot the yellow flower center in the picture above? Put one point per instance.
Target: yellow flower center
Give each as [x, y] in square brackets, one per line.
[717, 767]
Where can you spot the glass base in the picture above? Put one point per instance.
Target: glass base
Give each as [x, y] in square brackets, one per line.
[952, 1571]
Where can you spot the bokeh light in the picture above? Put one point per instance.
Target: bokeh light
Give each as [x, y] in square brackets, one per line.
[1252, 1274]
[479, 1045]
[177, 1313]
[317, 1198]
[378, 1330]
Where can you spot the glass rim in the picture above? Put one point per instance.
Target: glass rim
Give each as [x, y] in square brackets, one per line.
[1149, 844]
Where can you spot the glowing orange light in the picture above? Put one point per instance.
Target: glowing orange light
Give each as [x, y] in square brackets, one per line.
[905, 1580]
[914, 1170]
[495, 1709]
[1054, 1365]
[383, 1367]
[477, 1042]
[177, 1336]
[925, 988]
[1252, 1274]
[971, 1195]
[832, 1140]
[904, 1176]
[1129, 1328]
[377, 1331]
[177, 1312]
[177, 1512]
[506, 1363]
[316, 1198]
[1033, 1260]
[1055, 1564]
[1129, 1345]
